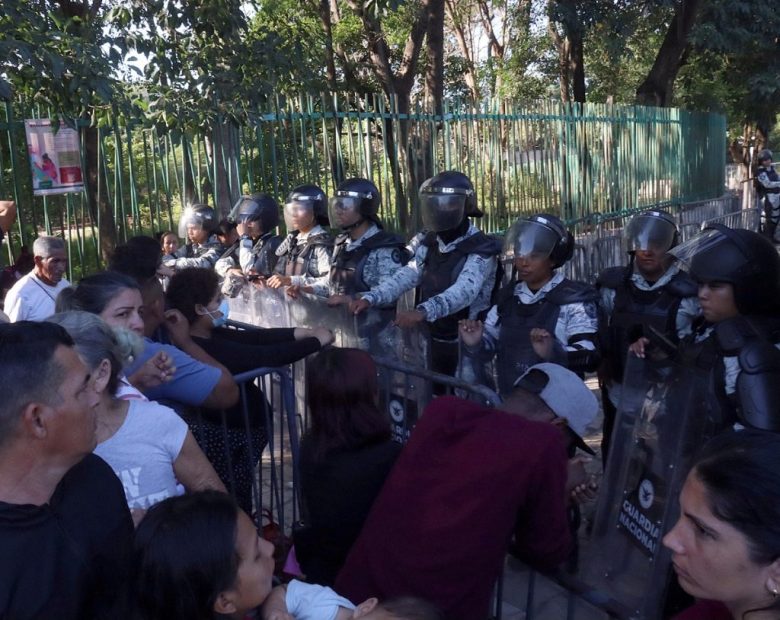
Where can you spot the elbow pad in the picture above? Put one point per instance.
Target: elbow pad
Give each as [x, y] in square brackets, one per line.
[758, 386]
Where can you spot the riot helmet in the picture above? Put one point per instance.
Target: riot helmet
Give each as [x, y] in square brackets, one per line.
[197, 217]
[260, 208]
[539, 236]
[355, 200]
[446, 200]
[745, 259]
[306, 197]
[650, 230]
[763, 156]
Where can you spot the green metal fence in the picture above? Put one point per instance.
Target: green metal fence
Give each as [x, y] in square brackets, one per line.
[574, 160]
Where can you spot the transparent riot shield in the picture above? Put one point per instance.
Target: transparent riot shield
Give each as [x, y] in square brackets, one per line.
[661, 422]
[270, 306]
[405, 387]
[242, 306]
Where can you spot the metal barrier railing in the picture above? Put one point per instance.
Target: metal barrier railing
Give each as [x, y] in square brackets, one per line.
[243, 448]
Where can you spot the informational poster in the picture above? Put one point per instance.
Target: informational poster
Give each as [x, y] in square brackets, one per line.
[54, 157]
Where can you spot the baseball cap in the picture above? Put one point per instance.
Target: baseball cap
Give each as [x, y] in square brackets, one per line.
[565, 394]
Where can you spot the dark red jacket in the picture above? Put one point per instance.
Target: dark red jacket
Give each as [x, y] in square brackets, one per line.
[469, 478]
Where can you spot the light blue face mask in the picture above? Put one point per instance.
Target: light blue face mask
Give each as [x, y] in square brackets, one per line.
[224, 309]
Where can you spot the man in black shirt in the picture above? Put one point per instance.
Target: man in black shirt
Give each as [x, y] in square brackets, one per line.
[65, 529]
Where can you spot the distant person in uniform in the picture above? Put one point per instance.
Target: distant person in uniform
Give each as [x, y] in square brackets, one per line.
[303, 258]
[203, 249]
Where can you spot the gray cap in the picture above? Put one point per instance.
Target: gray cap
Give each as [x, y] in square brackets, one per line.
[565, 393]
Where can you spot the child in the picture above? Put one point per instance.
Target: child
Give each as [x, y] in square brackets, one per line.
[306, 601]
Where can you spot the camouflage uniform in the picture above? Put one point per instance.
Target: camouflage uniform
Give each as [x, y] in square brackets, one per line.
[249, 256]
[380, 264]
[471, 290]
[688, 310]
[197, 255]
[574, 336]
[318, 268]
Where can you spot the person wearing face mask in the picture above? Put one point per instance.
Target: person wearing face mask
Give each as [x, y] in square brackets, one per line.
[195, 293]
[253, 255]
[304, 255]
[541, 316]
[733, 347]
[649, 296]
[453, 268]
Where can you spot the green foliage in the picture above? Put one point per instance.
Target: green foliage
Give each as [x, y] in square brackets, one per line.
[59, 62]
[735, 62]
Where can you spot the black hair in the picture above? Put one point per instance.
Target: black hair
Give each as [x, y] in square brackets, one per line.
[739, 469]
[224, 227]
[139, 258]
[185, 555]
[94, 293]
[190, 287]
[342, 388]
[28, 371]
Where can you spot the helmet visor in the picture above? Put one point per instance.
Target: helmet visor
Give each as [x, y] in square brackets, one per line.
[344, 211]
[710, 257]
[703, 242]
[530, 239]
[649, 233]
[296, 209]
[442, 212]
[245, 209]
[189, 218]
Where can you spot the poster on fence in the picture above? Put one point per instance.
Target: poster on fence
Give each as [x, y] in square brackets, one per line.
[55, 162]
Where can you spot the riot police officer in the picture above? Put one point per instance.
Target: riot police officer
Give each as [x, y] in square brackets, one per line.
[453, 266]
[304, 255]
[768, 186]
[541, 316]
[734, 344]
[197, 224]
[364, 253]
[254, 254]
[649, 297]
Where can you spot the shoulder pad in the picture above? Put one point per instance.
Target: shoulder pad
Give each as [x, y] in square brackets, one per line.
[736, 333]
[759, 355]
[480, 243]
[325, 239]
[572, 292]
[683, 285]
[273, 243]
[612, 277]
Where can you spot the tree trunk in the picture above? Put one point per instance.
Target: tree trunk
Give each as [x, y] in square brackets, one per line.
[658, 87]
[323, 8]
[434, 78]
[460, 36]
[222, 147]
[577, 65]
[100, 209]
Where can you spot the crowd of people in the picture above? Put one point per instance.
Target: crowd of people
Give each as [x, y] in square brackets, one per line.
[127, 462]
